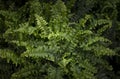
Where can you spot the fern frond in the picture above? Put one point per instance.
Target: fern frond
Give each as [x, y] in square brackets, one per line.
[10, 56]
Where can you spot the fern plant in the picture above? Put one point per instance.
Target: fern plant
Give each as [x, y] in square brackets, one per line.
[50, 46]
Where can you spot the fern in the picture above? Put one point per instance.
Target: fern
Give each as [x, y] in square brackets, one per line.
[53, 46]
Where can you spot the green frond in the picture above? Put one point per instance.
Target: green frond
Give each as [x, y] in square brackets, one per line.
[9, 56]
[39, 52]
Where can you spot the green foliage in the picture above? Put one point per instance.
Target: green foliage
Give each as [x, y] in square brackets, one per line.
[46, 44]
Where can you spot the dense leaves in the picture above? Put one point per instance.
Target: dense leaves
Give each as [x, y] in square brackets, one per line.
[59, 39]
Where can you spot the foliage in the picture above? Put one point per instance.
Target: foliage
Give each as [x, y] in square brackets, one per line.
[40, 41]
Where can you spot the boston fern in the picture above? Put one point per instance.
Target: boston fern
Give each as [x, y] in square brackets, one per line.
[44, 44]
